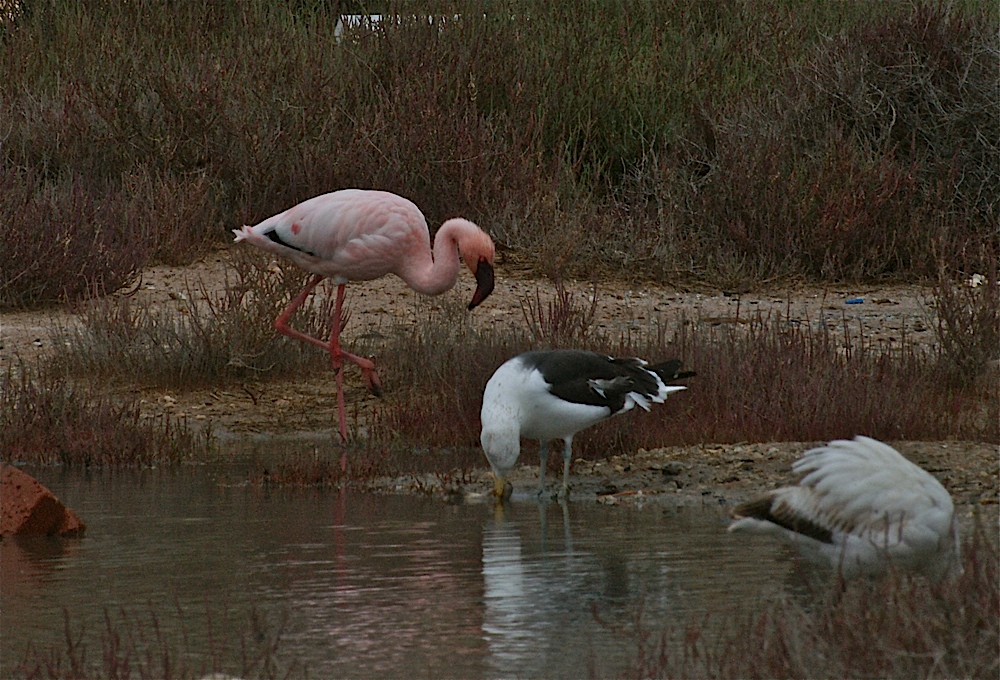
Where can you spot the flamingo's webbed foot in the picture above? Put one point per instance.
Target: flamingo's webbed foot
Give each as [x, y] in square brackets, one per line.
[371, 377]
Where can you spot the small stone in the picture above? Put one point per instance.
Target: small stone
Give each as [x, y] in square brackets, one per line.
[671, 469]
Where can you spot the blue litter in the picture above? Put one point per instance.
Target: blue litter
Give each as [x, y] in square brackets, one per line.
[855, 301]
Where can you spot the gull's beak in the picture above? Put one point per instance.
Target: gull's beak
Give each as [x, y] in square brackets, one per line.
[502, 489]
[484, 283]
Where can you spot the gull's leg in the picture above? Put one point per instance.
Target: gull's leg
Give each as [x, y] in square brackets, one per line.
[567, 457]
[543, 458]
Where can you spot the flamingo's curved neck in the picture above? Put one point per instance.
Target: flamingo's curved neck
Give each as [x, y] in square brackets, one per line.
[433, 277]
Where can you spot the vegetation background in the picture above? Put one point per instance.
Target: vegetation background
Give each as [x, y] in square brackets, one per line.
[733, 143]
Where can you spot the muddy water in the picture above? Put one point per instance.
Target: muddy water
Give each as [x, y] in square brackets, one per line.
[376, 585]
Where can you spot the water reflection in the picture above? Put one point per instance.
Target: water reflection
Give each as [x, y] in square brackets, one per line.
[388, 587]
[545, 577]
[527, 598]
[378, 586]
[28, 561]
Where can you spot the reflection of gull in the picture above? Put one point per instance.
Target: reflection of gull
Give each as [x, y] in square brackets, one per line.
[508, 596]
[528, 600]
[543, 522]
[859, 506]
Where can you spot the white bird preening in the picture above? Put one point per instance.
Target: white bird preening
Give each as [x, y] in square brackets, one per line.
[554, 394]
[859, 507]
[357, 235]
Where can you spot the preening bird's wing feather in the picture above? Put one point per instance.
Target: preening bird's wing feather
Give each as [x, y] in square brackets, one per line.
[866, 484]
[671, 370]
[789, 508]
[861, 487]
[864, 504]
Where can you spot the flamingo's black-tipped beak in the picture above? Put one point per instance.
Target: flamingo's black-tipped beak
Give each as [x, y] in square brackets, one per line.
[484, 283]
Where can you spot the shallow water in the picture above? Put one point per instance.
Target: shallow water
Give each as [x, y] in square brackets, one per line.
[377, 585]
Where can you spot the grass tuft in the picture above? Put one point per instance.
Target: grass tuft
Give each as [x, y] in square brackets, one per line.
[47, 420]
[767, 378]
[424, 470]
[563, 322]
[62, 243]
[968, 327]
[133, 645]
[214, 338]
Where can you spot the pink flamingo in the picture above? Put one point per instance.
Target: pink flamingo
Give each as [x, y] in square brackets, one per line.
[356, 235]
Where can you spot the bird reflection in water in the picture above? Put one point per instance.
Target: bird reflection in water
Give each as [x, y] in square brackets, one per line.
[528, 592]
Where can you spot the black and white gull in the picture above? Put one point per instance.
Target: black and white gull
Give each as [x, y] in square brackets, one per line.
[553, 394]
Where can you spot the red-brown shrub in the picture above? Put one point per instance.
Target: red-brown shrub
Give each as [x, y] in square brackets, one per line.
[63, 244]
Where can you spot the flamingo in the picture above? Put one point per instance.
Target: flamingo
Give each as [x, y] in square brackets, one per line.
[358, 235]
[860, 506]
[554, 394]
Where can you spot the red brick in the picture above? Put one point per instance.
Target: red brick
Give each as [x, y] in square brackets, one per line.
[28, 508]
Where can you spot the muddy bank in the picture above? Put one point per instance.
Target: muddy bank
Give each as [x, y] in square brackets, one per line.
[717, 474]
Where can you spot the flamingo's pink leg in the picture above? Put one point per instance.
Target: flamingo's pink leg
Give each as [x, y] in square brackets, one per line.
[281, 323]
[367, 366]
[337, 355]
[341, 418]
[335, 359]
